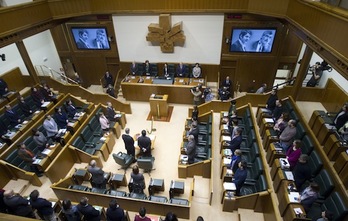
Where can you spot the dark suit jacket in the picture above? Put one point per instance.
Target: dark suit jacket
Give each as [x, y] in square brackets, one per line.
[108, 80]
[71, 110]
[129, 144]
[25, 108]
[12, 117]
[134, 69]
[195, 133]
[18, 205]
[191, 151]
[145, 142]
[110, 114]
[43, 206]
[235, 143]
[3, 86]
[234, 167]
[97, 174]
[37, 97]
[227, 84]
[61, 120]
[181, 71]
[271, 102]
[89, 212]
[341, 120]
[239, 178]
[237, 46]
[116, 214]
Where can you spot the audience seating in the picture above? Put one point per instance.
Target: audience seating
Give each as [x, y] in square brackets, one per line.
[315, 163]
[325, 183]
[146, 163]
[253, 187]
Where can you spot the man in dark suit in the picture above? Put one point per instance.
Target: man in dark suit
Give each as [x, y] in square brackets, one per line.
[43, 206]
[181, 70]
[3, 87]
[61, 119]
[18, 205]
[244, 37]
[194, 131]
[342, 117]
[236, 140]
[25, 108]
[134, 68]
[190, 149]
[97, 175]
[114, 212]
[144, 143]
[12, 116]
[240, 176]
[89, 212]
[111, 113]
[108, 79]
[128, 143]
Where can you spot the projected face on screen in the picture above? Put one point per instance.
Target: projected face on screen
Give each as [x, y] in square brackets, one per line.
[90, 38]
[252, 40]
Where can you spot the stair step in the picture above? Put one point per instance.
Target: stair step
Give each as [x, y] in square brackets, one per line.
[248, 214]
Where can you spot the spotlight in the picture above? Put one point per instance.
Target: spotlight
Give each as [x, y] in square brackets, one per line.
[3, 58]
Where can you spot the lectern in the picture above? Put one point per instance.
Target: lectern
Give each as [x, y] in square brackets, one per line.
[159, 105]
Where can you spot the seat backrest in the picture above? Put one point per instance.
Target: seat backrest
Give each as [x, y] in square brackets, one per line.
[300, 130]
[307, 145]
[288, 107]
[323, 179]
[261, 184]
[86, 134]
[78, 143]
[120, 158]
[256, 169]
[315, 163]
[337, 206]
[145, 163]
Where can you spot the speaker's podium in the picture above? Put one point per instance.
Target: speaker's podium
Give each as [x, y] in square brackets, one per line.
[159, 105]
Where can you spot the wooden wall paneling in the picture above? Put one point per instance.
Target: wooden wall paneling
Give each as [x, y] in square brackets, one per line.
[313, 94]
[15, 80]
[269, 7]
[90, 68]
[334, 96]
[60, 38]
[66, 9]
[4, 174]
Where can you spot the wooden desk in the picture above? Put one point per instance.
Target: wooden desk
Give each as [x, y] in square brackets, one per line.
[268, 139]
[273, 154]
[266, 124]
[159, 105]
[196, 81]
[181, 81]
[286, 205]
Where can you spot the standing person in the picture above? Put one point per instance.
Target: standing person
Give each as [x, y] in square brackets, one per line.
[71, 109]
[114, 212]
[317, 72]
[236, 158]
[147, 68]
[48, 93]
[262, 89]
[134, 68]
[144, 143]
[89, 212]
[224, 93]
[207, 95]
[271, 102]
[199, 218]
[3, 87]
[43, 206]
[196, 95]
[82, 42]
[194, 131]
[25, 108]
[97, 175]
[190, 149]
[288, 134]
[40, 139]
[166, 71]
[111, 91]
[240, 44]
[142, 215]
[12, 116]
[294, 153]
[196, 71]
[128, 143]
[100, 39]
[18, 205]
[171, 217]
[3, 206]
[104, 123]
[138, 178]
[278, 110]
[195, 113]
[51, 127]
[236, 140]
[227, 83]
[264, 44]
[181, 70]
[302, 172]
[77, 78]
[108, 79]
[37, 96]
[70, 212]
[240, 176]
[342, 117]
[28, 157]
[111, 113]
[61, 118]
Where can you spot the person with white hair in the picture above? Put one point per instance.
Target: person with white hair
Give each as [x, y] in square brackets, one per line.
[97, 175]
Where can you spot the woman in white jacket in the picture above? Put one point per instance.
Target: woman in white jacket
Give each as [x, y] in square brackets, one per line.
[104, 123]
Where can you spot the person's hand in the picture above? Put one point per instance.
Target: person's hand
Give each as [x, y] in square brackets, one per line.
[143, 149]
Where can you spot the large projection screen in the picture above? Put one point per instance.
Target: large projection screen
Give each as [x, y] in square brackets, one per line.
[203, 39]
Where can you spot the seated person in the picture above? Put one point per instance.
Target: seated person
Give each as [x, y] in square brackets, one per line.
[281, 123]
[25, 108]
[111, 91]
[309, 196]
[134, 68]
[147, 68]
[196, 71]
[138, 178]
[240, 176]
[3, 87]
[12, 116]
[181, 70]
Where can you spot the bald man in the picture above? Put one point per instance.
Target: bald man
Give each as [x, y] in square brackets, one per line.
[97, 175]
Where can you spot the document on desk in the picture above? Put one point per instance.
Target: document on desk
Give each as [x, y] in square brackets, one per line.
[226, 138]
[268, 120]
[227, 161]
[229, 186]
[46, 151]
[45, 104]
[37, 161]
[294, 197]
[298, 211]
[225, 127]
[289, 175]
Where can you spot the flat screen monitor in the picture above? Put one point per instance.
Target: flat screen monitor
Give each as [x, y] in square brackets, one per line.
[87, 38]
[252, 40]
